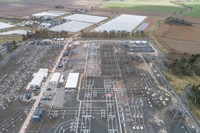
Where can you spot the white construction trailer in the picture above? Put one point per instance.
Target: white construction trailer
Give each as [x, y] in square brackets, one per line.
[72, 81]
[61, 80]
[38, 78]
[55, 78]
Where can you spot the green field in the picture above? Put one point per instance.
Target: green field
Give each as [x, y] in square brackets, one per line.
[147, 2]
[8, 1]
[162, 6]
[195, 9]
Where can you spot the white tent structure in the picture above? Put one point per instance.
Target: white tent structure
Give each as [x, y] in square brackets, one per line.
[72, 81]
[38, 78]
[55, 78]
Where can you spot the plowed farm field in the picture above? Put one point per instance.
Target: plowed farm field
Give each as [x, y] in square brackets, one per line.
[179, 38]
[22, 8]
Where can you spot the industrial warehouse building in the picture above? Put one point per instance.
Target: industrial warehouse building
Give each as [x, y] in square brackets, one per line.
[55, 78]
[72, 81]
[38, 78]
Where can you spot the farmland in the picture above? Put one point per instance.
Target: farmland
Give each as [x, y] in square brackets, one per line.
[164, 6]
[179, 38]
[8, 1]
[10, 38]
[195, 9]
[12, 10]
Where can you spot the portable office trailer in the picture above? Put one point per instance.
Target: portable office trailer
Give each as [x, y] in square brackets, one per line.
[55, 78]
[61, 80]
[38, 78]
[72, 81]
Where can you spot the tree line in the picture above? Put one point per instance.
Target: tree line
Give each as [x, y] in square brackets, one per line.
[45, 34]
[173, 20]
[114, 34]
[10, 47]
[186, 65]
[196, 92]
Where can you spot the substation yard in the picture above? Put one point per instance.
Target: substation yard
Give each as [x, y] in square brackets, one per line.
[120, 89]
[16, 73]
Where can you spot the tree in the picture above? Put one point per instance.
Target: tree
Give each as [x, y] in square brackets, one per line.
[1, 57]
[14, 42]
[24, 38]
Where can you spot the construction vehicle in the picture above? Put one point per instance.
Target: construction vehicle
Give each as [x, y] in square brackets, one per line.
[38, 115]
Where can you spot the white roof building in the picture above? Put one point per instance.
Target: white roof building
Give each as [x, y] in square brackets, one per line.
[131, 41]
[144, 41]
[124, 22]
[138, 42]
[72, 81]
[38, 78]
[49, 14]
[71, 26]
[85, 18]
[5, 25]
[61, 80]
[17, 32]
[45, 25]
[55, 78]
